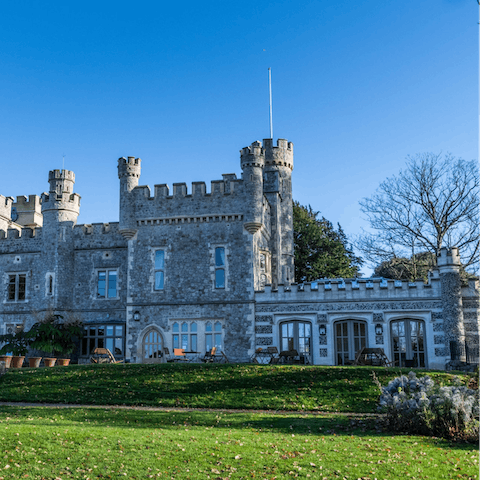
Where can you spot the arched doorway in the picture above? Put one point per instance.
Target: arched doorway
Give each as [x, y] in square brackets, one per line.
[350, 337]
[408, 343]
[297, 335]
[152, 347]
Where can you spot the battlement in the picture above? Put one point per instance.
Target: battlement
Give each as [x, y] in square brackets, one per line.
[63, 201]
[15, 233]
[352, 289]
[279, 155]
[61, 175]
[448, 256]
[252, 156]
[129, 167]
[24, 203]
[95, 229]
[229, 185]
[6, 204]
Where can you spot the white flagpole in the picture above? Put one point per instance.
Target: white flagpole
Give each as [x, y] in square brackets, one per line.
[270, 90]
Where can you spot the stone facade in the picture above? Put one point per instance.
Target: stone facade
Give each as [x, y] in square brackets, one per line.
[197, 270]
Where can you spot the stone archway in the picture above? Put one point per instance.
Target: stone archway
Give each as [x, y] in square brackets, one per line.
[152, 346]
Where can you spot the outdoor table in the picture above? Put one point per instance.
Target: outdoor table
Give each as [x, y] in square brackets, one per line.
[191, 356]
[263, 357]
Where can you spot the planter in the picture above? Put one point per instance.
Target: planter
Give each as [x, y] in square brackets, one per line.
[63, 362]
[7, 359]
[49, 362]
[17, 362]
[34, 362]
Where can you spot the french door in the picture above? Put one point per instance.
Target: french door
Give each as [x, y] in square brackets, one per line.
[350, 337]
[297, 336]
[152, 347]
[408, 343]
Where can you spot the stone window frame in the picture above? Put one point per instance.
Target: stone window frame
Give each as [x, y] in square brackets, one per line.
[265, 270]
[104, 338]
[201, 332]
[107, 270]
[16, 287]
[159, 270]
[50, 284]
[213, 267]
[191, 332]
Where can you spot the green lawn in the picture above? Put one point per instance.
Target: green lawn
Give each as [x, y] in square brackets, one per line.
[292, 388]
[52, 443]
[97, 443]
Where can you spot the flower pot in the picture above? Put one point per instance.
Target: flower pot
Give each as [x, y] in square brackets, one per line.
[7, 359]
[17, 362]
[34, 362]
[49, 362]
[63, 362]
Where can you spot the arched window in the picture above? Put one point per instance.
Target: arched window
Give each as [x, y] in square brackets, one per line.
[408, 342]
[350, 337]
[213, 336]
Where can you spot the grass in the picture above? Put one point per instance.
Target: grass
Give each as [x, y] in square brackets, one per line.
[52, 443]
[98, 443]
[264, 387]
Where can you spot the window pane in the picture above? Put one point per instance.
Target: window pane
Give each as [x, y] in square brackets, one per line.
[185, 342]
[175, 327]
[109, 330]
[220, 278]
[208, 342]
[194, 343]
[159, 259]
[301, 329]
[119, 331]
[101, 330]
[100, 341]
[218, 340]
[11, 287]
[219, 257]
[101, 284]
[184, 327]
[159, 280]
[175, 341]
[109, 344]
[21, 287]
[208, 327]
[84, 346]
[112, 284]
[193, 327]
[218, 327]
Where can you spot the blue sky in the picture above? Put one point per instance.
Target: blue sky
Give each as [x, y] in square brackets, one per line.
[357, 86]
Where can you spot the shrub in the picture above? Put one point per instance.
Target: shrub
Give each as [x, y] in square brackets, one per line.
[418, 405]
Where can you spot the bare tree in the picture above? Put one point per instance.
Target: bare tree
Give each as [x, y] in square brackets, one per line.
[432, 203]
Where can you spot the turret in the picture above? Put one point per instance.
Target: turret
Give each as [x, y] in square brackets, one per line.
[252, 160]
[60, 204]
[448, 263]
[5, 213]
[278, 190]
[129, 173]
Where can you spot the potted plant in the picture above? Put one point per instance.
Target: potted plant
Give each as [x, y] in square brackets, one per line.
[53, 336]
[17, 345]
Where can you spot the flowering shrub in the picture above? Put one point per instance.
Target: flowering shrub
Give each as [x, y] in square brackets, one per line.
[417, 405]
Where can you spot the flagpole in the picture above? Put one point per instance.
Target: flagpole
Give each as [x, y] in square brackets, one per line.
[270, 90]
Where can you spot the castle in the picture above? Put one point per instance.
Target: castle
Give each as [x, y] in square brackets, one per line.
[201, 269]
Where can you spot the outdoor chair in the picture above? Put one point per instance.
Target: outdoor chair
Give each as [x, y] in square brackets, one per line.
[168, 356]
[209, 356]
[103, 355]
[179, 355]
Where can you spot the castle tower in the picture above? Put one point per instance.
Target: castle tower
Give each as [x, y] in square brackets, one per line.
[129, 173]
[252, 160]
[60, 204]
[278, 190]
[448, 262]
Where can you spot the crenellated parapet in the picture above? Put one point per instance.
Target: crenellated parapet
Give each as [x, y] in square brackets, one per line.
[352, 289]
[28, 211]
[280, 154]
[252, 156]
[5, 212]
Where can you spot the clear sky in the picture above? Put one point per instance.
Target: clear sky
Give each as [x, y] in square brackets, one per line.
[357, 86]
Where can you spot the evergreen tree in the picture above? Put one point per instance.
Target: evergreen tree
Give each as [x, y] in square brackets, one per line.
[320, 250]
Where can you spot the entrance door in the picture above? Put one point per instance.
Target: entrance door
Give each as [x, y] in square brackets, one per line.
[152, 347]
[408, 343]
[297, 336]
[350, 337]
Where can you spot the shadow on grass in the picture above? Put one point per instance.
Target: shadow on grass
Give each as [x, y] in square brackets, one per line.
[289, 424]
[237, 386]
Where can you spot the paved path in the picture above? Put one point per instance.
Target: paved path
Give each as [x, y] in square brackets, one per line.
[180, 409]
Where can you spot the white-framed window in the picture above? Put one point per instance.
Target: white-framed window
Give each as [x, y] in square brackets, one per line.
[17, 287]
[213, 335]
[220, 267]
[107, 281]
[104, 336]
[185, 335]
[159, 265]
